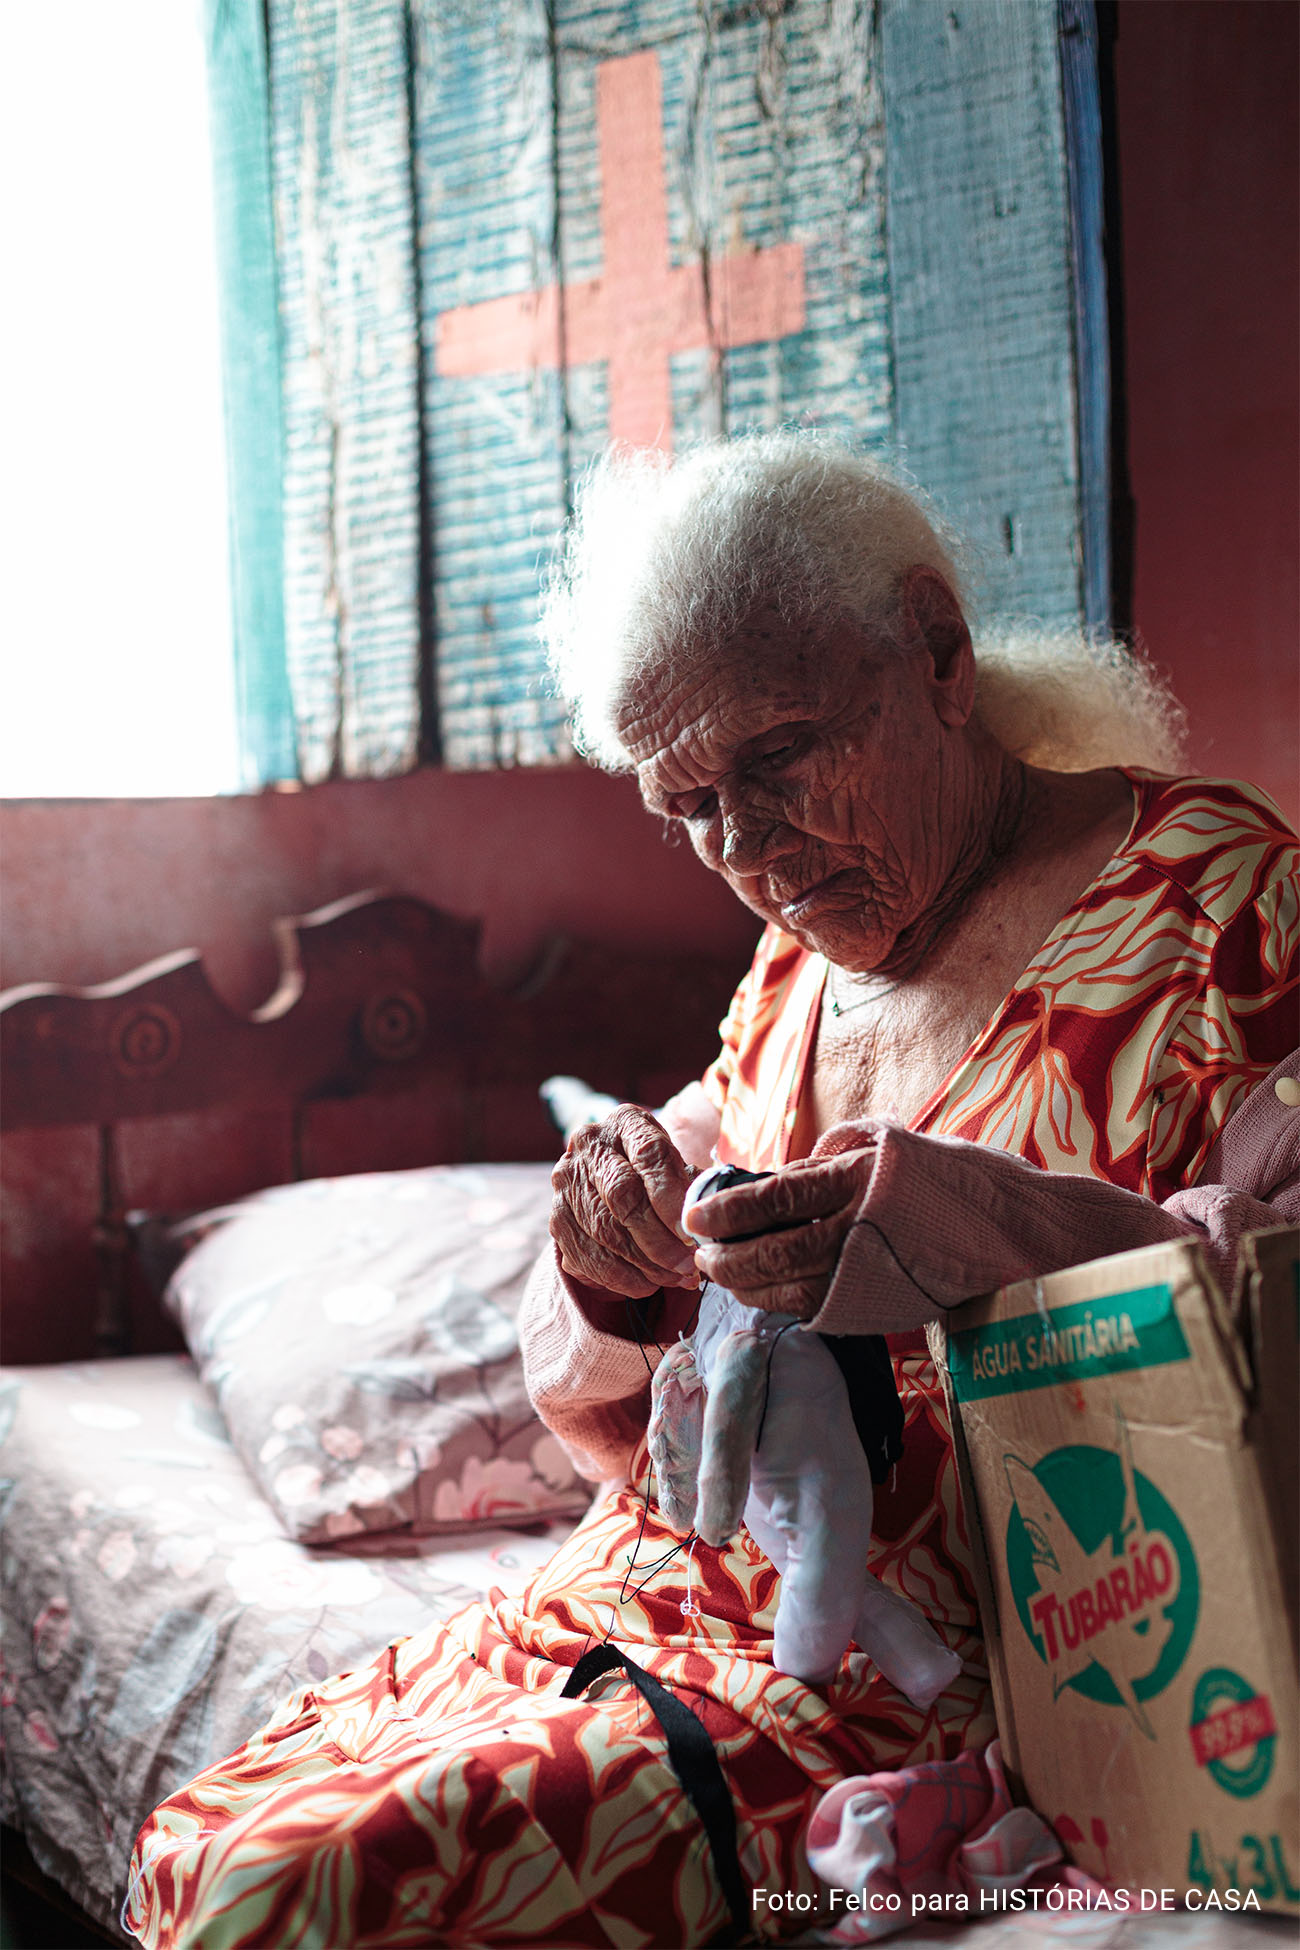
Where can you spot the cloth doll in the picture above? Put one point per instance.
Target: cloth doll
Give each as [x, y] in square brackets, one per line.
[750, 1421]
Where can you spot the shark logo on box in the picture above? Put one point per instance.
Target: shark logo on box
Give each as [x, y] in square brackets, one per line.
[1103, 1574]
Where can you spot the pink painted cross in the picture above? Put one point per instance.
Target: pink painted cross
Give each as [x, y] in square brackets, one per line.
[642, 308]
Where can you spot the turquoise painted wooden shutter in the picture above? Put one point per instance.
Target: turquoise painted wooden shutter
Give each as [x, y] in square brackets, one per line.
[340, 142]
[654, 220]
[989, 370]
[250, 350]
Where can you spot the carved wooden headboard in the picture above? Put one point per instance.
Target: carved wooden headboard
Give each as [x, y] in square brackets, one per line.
[378, 995]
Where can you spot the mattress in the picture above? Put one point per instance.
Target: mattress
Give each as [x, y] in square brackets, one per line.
[153, 1611]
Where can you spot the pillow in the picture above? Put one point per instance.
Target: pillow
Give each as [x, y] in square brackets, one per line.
[359, 1336]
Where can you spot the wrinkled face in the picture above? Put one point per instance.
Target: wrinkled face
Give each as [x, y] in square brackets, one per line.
[813, 772]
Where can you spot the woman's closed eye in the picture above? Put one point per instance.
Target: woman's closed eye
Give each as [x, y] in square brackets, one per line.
[694, 806]
[774, 757]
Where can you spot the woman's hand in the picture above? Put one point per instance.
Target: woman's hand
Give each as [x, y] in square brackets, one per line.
[618, 1201]
[786, 1271]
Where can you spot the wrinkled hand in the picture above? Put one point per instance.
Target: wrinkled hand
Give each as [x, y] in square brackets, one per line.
[789, 1271]
[618, 1201]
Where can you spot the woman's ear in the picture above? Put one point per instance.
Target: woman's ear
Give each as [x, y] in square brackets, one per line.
[933, 621]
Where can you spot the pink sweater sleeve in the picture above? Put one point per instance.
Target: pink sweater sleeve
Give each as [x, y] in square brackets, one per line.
[943, 1220]
[590, 1388]
[590, 1383]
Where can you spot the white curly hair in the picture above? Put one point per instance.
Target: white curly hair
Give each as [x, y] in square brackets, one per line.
[664, 556]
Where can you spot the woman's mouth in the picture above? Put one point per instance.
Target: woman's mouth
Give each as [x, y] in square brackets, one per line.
[798, 908]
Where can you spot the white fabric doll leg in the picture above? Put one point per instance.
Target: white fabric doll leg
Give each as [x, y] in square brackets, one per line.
[904, 1644]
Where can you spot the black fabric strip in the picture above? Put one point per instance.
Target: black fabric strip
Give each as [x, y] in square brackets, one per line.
[693, 1761]
[864, 1361]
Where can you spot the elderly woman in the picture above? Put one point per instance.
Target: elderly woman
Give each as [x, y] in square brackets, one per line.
[1009, 990]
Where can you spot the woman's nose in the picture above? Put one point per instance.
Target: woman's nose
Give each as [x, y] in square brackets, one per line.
[750, 841]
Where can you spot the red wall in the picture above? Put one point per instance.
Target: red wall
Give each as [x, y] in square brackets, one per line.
[1206, 106]
[91, 889]
[1208, 181]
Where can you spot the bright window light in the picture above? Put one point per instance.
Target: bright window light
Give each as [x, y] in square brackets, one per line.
[114, 606]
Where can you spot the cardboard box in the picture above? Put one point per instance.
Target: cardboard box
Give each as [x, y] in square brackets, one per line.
[1127, 1438]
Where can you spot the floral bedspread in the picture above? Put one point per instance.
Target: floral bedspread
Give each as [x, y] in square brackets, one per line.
[154, 1610]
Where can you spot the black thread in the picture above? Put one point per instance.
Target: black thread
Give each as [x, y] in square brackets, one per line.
[767, 1377]
[639, 1329]
[640, 1332]
[897, 1261]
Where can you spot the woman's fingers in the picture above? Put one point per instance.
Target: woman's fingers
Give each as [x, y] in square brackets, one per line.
[773, 1256]
[584, 1260]
[813, 1189]
[802, 1298]
[618, 1195]
[779, 1268]
[627, 1201]
[658, 1163]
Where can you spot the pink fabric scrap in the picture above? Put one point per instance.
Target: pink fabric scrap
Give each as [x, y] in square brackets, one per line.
[944, 1828]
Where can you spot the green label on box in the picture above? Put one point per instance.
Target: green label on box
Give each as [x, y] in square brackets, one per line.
[1103, 1574]
[1092, 1337]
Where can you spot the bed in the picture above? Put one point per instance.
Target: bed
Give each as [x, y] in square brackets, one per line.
[319, 1440]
